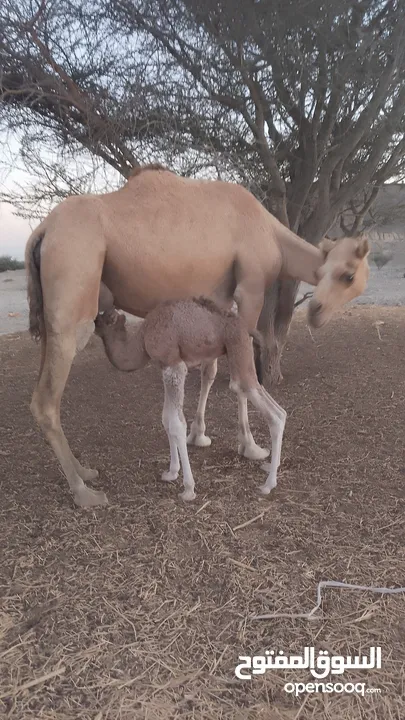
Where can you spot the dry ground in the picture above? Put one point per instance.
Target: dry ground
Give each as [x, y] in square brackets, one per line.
[141, 610]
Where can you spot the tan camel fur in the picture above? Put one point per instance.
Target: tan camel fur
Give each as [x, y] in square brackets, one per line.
[178, 335]
[164, 237]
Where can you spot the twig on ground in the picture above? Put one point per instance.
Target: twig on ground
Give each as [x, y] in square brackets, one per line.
[324, 584]
[376, 325]
[33, 683]
[249, 522]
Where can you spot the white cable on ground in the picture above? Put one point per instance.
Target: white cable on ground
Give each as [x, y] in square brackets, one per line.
[324, 584]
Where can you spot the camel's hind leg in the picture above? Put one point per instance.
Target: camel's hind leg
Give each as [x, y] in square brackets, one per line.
[197, 434]
[86, 474]
[175, 425]
[59, 352]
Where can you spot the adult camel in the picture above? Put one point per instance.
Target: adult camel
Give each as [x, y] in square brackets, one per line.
[164, 237]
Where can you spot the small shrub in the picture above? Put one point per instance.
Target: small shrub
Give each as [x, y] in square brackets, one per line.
[9, 263]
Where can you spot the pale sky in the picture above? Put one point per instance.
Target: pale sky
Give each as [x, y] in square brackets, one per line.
[14, 232]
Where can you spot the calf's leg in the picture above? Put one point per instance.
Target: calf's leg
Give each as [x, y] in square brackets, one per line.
[175, 425]
[197, 434]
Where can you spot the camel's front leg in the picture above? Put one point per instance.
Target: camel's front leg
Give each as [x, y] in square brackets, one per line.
[197, 434]
[276, 418]
[249, 302]
[247, 445]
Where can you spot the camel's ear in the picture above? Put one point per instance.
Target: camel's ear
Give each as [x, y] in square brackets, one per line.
[326, 245]
[362, 249]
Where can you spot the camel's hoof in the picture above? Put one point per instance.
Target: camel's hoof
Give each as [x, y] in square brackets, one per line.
[169, 476]
[199, 440]
[266, 489]
[86, 498]
[187, 495]
[253, 452]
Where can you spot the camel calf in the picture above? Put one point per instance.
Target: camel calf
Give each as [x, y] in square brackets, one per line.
[181, 335]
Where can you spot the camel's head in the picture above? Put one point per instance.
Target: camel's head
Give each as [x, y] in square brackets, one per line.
[342, 277]
[109, 323]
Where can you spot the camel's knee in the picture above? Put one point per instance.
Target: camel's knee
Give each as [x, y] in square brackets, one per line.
[70, 337]
[178, 427]
[46, 415]
[235, 387]
[245, 389]
[174, 421]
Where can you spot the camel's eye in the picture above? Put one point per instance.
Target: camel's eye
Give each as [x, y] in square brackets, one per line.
[347, 278]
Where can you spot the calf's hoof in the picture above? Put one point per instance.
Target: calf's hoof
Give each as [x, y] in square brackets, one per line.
[187, 495]
[266, 489]
[253, 452]
[169, 476]
[199, 440]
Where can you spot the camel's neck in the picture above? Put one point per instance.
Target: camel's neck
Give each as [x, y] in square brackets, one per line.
[126, 350]
[300, 260]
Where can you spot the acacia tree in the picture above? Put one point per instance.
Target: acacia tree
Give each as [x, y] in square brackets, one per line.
[303, 101]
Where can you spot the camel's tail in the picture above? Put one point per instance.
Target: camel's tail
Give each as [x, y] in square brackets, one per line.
[34, 287]
[258, 347]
